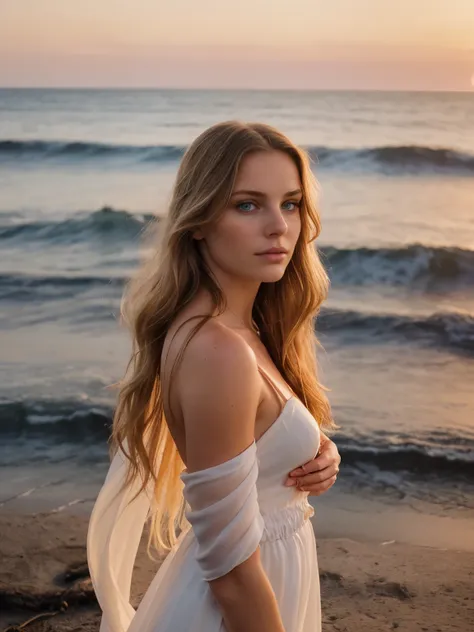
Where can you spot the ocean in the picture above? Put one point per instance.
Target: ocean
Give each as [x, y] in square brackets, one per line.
[83, 171]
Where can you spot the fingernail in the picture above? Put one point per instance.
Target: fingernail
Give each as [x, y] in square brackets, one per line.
[289, 482]
[297, 472]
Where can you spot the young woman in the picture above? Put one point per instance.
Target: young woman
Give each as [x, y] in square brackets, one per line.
[218, 429]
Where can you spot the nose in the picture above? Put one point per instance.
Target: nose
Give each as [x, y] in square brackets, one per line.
[276, 223]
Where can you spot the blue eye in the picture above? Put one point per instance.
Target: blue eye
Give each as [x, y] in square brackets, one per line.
[246, 206]
[241, 204]
[295, 205]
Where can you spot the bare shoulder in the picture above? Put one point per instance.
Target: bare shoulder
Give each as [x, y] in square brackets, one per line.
[215, 348]
[219, 396]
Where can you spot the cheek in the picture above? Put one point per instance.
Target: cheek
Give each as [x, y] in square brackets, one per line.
[235, 233]
[294, 227]
[296, 220]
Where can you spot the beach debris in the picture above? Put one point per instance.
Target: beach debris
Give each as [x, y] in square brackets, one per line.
[42, 615]
[79, 591]
[78, 570]
[335, 577]
[14, 598]
[390, 589]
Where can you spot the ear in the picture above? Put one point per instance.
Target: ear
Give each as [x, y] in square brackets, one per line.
[198, 234]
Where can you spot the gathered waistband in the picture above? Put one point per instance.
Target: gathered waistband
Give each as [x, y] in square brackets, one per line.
[283, 523]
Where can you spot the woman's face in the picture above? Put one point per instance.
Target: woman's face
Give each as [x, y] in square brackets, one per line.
[263, 212]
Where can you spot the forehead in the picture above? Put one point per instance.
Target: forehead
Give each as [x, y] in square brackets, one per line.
[268, 171]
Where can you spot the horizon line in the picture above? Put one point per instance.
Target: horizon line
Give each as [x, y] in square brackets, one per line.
[239, 89]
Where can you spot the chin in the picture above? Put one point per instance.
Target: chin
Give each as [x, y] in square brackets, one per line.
[272, 274]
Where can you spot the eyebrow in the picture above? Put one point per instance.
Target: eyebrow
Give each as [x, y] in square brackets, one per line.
[261, 194]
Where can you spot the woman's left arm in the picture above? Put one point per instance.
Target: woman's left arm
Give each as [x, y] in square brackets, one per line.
[318, 475]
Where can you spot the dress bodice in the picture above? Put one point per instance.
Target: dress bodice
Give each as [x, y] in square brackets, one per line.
[292, 440]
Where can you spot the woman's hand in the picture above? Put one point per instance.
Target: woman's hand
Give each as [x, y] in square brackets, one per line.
[320, 474]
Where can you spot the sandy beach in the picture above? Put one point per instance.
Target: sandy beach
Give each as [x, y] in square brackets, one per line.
[366, 586]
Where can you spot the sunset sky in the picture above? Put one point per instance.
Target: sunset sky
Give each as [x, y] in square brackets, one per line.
[308, 44]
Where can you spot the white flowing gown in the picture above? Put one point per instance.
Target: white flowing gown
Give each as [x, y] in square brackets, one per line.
[232, 508]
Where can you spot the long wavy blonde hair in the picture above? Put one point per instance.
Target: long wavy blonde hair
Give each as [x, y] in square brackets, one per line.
[168, 280]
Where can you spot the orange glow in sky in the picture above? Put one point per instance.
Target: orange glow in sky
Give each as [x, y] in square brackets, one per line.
[308, 44]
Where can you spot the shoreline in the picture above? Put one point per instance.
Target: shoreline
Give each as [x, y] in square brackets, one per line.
[369, 585]
[340, 514]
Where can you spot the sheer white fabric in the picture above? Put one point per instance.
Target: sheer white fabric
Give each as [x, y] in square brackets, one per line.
[224, 512]
[114, 533]
[232, 508]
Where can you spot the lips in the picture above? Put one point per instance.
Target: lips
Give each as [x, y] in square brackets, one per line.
[273, 251]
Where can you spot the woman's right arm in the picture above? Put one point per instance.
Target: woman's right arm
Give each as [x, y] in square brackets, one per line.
[219, 395]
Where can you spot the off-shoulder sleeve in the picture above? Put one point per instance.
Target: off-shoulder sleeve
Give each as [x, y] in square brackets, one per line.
[224, 512]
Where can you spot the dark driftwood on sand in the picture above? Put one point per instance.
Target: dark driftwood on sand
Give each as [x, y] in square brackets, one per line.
[51, 602]
[14, 598]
